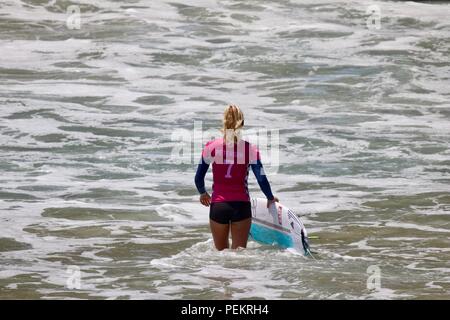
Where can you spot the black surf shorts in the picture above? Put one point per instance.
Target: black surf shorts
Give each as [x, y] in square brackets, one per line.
[230, 211]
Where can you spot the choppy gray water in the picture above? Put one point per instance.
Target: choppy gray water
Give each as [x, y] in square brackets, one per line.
[87, 116]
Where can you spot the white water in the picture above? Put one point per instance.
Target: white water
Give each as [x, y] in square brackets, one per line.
[87, 116]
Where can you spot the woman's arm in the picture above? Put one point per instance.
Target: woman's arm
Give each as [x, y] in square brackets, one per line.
[202, 168]
[264, 184]
[200, 176]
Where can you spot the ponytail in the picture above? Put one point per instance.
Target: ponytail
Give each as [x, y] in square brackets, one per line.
[233, 121]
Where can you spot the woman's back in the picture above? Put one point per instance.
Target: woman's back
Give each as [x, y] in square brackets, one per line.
[230, 167]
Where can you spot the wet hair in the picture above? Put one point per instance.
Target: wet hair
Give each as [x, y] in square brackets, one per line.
[233, 121]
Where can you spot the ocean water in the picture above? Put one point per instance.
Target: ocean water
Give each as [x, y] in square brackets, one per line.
[94, 204]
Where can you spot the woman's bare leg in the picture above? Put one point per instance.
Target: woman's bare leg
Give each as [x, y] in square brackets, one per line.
[220, 234]
[239, 233]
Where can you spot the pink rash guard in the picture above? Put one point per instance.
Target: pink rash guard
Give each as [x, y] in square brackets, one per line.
[230, 167]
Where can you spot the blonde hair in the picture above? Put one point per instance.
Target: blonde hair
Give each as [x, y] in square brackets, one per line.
[233, 121]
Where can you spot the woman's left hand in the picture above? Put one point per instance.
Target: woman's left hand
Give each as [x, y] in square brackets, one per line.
[269, 202]
[205, 199]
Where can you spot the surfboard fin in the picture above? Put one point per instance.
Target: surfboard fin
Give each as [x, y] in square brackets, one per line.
[305, 244]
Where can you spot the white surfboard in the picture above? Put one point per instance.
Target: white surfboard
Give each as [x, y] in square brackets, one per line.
[278, 225]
